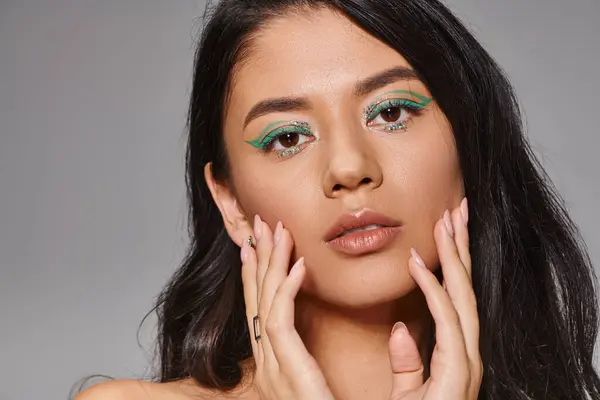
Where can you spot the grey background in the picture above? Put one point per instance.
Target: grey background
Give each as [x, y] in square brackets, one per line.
[92, 208]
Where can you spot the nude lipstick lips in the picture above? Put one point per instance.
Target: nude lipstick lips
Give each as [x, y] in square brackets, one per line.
[362, 233]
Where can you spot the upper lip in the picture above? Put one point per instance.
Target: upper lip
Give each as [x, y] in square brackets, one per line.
[356, 220]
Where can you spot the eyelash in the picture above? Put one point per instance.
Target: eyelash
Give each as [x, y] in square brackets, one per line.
[299, 128]
[375, 110]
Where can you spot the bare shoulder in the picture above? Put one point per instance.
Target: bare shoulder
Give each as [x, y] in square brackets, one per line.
[120, 390]
[131, 389]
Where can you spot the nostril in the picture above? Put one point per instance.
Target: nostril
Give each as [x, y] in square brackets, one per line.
[339, 186]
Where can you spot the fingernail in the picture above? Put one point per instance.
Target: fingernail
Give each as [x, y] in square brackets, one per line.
[448, 222]
[464, 210]
[244, 252]
[277, 234]
[399, 326]
[417, 258]
[296, 267]
[257, 227]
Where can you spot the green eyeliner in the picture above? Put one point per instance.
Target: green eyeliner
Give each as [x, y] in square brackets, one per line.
[269, 132]
[378, 105]
[424, 99]
[258, 141]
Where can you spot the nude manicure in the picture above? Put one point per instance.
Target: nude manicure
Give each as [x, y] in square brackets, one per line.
[398, 326]
[448, 222]
[257, 227]
[277, 234]
[417, 258]
[296, 267]
[464, 210]
[244, 252]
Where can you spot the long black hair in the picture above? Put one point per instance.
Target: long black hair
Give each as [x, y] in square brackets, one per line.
[531, 273]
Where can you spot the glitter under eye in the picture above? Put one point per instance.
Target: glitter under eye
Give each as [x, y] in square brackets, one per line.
[389, 110]
[292, 137]
[289, 152]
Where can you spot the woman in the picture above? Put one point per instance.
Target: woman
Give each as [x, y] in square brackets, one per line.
[376, 149]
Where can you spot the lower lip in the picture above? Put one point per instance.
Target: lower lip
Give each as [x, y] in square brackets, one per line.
[364, 242]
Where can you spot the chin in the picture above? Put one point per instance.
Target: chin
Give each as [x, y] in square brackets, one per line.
[360, 285]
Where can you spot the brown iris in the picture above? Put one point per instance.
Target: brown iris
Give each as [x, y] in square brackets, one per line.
[289, 139]
[391, 114]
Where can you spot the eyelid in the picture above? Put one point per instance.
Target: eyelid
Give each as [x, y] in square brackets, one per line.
[287, 128]
[393, 103]
[368, 112]
[262, 140]
[267, 131]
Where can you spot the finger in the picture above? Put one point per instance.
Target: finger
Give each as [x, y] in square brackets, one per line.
[250, 296]
[275, 275]
[405, 360]
[458, 284]
[460, 219]
[291, 353]
[460, 222]
[264, 246]
[277, 269]
[450, 342]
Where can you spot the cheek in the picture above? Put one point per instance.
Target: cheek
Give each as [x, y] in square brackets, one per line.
[432, 183]
[424, 168]
[435, 174]
[433, 179]
[278, 196]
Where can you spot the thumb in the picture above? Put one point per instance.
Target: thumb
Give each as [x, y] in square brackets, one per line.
[406, 362]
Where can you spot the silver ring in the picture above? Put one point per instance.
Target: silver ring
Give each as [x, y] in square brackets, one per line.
[256, 326]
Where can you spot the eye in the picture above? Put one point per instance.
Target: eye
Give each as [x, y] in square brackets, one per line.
[392, 114]
[287, 140]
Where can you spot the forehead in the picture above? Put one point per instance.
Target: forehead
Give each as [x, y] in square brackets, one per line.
[318, 52]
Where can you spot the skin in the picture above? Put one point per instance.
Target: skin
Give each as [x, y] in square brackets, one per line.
[326, 326]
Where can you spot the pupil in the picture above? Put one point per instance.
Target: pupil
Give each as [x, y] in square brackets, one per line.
[289, 139]
[391, 114]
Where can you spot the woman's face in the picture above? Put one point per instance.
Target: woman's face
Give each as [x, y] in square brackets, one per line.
[350, 129]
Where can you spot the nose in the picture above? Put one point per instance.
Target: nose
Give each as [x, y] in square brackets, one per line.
[352, 165]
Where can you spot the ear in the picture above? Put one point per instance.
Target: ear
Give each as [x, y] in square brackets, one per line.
[236, 223]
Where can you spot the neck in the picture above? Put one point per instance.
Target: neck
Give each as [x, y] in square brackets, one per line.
[351, 346]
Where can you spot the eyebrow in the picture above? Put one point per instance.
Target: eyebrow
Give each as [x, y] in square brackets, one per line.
[361, 88]
[383, 79]
[281, 104]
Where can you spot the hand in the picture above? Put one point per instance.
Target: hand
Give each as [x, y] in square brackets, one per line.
[284, 368]
[456, 366]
